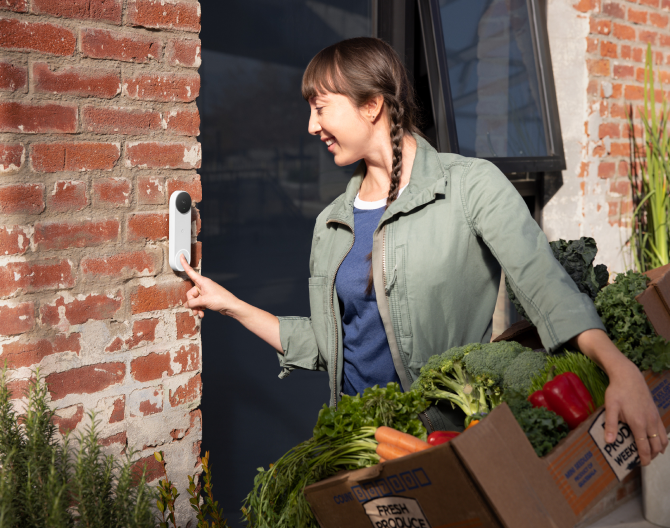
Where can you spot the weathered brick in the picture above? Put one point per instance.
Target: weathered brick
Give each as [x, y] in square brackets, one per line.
[195, 419]
[19, 6]
[78, 310]
[195, 217]
[161, 296]
[151, 226]
[14, 240]
[150, 190]
[620, 149]
[600, 26]
[17, 319]
[637, 16]
[151, 367]
[102, 10]
[154, 155]
[128, 47]
[75, 80]
[592, 44]
[144, 402]
[123, 265]
[598, 67]
[144, 331]
[85, 380]
[621, 187]
[184, 52]
[633, 93]
[37, 119]
[118, 410]
[22, 198]
[118, 438]
[623, 32]
[183, 122]
[163, 87]
[162, 14]
[29, 277]
[19, 35]
[115, 120]
[614, 10]
[13, 78]
[189, 184]
[585, 6]
[12, 157]
[67, 195]
[187, 325]
[623, 71]
[649, 37]
[112, 191]
[626, 52]
[186, 359]
[623, 168]
[186, 393]
[59, 157]
[24, 353]
[79, 233]
[196, 254]
[658, 20]
[150, 466]
[608, 49]
[19, 388]
[606, 169]
[652, 3]
[68, 418]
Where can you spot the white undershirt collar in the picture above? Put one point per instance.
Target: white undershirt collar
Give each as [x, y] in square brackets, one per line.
[360, 204]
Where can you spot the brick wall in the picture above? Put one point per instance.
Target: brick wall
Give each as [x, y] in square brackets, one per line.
[97, 127]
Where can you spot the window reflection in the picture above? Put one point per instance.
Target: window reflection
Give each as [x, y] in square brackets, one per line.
[493, 78]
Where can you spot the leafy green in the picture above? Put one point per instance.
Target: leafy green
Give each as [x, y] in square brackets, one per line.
[521, 371]
[577, 257]
[543, 428]
[628, 325]
[343, 440]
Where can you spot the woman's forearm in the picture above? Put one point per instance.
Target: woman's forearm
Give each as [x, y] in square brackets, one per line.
[596, 345]
[262, 323]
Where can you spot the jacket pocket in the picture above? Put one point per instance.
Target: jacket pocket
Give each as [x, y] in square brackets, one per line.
[318, 296]
[402, 294]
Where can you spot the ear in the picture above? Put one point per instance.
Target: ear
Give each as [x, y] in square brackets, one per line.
[373, 108]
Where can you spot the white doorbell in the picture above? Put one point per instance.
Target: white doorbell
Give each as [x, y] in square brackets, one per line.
[180, 229]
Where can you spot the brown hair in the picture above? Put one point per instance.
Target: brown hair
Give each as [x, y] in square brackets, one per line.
[362, 68]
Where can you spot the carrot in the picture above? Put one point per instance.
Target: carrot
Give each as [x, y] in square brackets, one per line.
[381, 460]
[390, 452]
[473, 422]
[404, 441]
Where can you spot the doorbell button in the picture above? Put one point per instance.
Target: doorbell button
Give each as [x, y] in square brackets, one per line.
[187, 256]
[180, 229]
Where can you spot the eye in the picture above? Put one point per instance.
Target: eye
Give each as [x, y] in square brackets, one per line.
[318, 109]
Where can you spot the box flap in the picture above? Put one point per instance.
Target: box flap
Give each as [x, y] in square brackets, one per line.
[656, 300]
[523, 333]
[515, 481]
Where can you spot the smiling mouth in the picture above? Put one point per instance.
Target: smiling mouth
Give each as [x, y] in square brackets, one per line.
[329, 142]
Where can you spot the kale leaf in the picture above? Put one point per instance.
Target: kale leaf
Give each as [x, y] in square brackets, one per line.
[543, 428]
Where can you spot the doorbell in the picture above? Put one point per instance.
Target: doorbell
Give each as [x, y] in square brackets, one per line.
[180, 229]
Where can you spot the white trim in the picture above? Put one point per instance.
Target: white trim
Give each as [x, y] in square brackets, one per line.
[361, 204]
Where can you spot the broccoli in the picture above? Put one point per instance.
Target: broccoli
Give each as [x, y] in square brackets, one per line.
[544, 428]
[522, 370]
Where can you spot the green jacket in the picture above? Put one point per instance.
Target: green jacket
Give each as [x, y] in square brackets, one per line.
[436, 260]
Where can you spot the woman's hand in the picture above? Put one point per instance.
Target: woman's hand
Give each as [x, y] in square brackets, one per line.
[207, 294]
[627, 398]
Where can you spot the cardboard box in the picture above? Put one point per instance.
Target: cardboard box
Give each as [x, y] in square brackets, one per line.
[656, 300]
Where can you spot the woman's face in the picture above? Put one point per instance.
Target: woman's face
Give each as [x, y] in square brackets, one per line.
[341, 126]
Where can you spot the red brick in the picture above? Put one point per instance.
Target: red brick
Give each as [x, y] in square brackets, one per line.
[648, 36]
[59, 157]
[118, 410]
[626, 52]
[161, 296]
[639, 75]
[154, 155]
[187, 325]
[600, 26]
[12, 157]
[128, 47]
[658, 20]
[78, 311]
[638, 54]
[620, 149]
[617, 90]
[623, 168]
[183, 52]
[115, 120]
[144, 331]
[151, 190]
[17, 319]
[652, 3]
[13, 78]
[598, 67]
[196, 254]
[164, 87]
[591, 44]
[37, 119]
[69, 234]
[637, 16]
[19, 6]
[624, 32]
[145, 402]
[85, 380]
[102, 10]
[620, 187]
[29, 277]
[186, 393]
[586, 5]
[160, 14]
[191, 185]
[112, 191]
[16, 34]
[28, 353]
[634, 93]
[188, 358]
[195, 418]
[623, 71]
[68, 418]
[22, 198]
[151, 367]
[608, 49]
[118, 438]
[123, 265]
[606, 169]
[19, 388]
[151, 226]
[195, 217]
[150, 466]
[74, 80]
[665, 4]
[67, 195]
[592, 87]
[14, 240]
[183, 122]
[614, 10]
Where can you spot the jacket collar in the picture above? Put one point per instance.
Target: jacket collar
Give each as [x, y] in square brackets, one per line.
[427, 179]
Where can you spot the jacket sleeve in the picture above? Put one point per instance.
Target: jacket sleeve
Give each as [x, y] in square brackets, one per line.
[496, 212]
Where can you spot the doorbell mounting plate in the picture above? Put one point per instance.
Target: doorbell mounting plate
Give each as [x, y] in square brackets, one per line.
[180, 229]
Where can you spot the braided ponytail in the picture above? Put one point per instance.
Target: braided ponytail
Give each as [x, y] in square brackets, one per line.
[397, 132]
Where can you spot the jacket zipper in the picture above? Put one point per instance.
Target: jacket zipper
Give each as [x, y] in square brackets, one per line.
[332, 295]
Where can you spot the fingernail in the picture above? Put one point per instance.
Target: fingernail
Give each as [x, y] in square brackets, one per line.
[609, 438]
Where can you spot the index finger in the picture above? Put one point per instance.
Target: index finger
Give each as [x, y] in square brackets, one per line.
[192, 274]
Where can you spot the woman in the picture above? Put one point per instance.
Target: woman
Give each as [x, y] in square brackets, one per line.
[406, 263]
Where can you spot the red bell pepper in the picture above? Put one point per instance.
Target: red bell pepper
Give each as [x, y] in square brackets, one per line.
[441, 437]
[567, 396]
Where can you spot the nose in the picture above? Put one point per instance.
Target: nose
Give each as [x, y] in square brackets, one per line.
[313, 127]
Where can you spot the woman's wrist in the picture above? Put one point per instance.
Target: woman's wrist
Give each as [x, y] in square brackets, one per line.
[596, 345]
[236, 308]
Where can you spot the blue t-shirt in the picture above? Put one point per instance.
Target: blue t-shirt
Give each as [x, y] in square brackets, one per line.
[367, 356]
